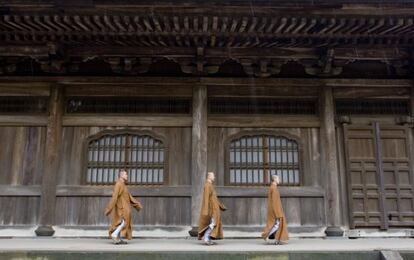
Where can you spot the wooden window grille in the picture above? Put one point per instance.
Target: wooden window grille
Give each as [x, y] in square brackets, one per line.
[142, 156]
[262, 106]
[126, 105]
[23, 105]
[373, 107]
[254, 159]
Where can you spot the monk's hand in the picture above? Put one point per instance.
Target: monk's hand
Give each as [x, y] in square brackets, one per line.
[107, 211]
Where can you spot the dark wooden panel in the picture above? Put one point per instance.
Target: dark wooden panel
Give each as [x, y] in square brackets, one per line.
[19, 210]
[244, 211]
[90, 211]
[312, 212]
[311, 158]
[178, 143]
[22, 154]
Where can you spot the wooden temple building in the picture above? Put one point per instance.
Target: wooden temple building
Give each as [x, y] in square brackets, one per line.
[319, 92]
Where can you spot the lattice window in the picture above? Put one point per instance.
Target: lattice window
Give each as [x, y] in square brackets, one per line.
[372, 107]
[23, 105]
[143, 156]
[254, 159]
[262, 106]
[127, 105]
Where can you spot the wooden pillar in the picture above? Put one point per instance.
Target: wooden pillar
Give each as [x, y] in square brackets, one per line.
[52, 150]
[199, 153]
[329, 167]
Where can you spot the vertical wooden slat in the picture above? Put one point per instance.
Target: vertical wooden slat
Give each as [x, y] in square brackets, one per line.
[266, 159]
[380, 174]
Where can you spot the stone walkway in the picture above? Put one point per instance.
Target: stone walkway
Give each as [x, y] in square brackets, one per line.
[192, 245]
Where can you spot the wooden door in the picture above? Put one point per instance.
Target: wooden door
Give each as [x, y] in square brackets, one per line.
[379, 176]
[398, 179]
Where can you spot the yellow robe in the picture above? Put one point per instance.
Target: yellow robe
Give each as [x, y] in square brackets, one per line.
[120, 207]
[275, 211]
[210, 208]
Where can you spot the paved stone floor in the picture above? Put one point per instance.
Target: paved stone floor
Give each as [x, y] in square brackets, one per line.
[192, 245]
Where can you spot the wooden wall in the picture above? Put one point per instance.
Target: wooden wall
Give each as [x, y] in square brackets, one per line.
[73, 209]
[21, 165]
[21, 155]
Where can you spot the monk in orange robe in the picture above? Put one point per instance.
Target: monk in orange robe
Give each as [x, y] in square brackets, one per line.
[210, 226]
[276, 227]
[120, 206]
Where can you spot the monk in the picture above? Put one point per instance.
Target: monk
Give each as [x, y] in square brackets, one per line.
[210, 226]
[276, 227]
[120, 206]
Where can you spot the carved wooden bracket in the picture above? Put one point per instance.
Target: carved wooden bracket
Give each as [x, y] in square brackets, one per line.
[323, 67]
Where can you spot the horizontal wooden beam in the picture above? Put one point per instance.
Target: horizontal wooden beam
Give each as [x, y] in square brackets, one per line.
[129, 90]
[186, 121]
[23, 120]
[122, 120]
[20, 191]
[354, 54]
[304, 191]
[157, 191]
[73, 82]
[104, 191]
[38, 51]
[261, 121]
[24, 89]
[372, 92]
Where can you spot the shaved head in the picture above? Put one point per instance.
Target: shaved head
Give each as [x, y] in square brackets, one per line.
[211, 176]
[276, 178]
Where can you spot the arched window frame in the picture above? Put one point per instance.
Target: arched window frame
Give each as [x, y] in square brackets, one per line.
[117, 132]
[252, 133]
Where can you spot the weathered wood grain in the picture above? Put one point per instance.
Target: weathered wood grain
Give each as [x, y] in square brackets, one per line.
[22, 155]
[274, 121]
[198, 150]
[104, 120]
[329, 158]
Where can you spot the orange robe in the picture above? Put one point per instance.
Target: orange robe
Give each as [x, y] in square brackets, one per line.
[210, 208]
[120, 206]
[275, 211]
